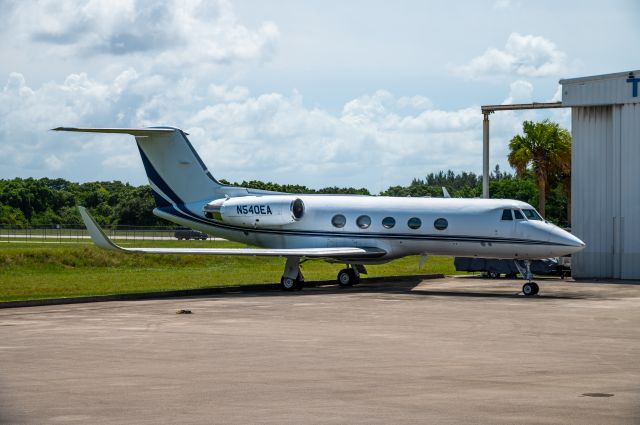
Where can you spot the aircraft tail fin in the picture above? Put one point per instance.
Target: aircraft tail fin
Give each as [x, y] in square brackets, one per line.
[176, 172]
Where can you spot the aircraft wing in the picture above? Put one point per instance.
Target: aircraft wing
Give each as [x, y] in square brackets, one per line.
[100, 239]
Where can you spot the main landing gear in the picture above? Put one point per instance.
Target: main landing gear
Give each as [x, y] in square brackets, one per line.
[292, 278]
[351, 275]
[529, 288]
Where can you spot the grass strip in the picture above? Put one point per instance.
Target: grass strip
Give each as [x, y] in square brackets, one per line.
[37, 271]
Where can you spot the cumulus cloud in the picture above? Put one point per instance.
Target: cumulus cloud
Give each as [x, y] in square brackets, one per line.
[177, 32]
[26, 115]
[376, 140]
[523, 55]
[520, 91]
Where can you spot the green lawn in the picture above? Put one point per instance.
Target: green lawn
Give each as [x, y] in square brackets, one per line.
[36, 270]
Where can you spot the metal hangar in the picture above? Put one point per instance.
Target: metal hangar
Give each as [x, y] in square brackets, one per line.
[605, 173]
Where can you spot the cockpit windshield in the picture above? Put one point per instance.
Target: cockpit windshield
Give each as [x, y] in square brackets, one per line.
[532, 214]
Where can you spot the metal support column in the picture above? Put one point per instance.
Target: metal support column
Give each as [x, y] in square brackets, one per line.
[489, 109]
[485, 154]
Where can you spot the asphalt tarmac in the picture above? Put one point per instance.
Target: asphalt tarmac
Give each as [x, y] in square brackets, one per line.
[454, 350]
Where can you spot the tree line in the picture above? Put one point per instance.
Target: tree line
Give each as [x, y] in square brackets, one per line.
[36, 202]
[541, 157]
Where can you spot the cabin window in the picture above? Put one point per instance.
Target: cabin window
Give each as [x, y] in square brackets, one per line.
[363, 221]
[388, 222]
[414, 223]
[518, 215]
[338, 220]
[532, 214]
[506, 215]
[441, 223]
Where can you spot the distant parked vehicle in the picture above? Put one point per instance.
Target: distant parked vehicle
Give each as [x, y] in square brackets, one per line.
[494, 269]
[187, 234]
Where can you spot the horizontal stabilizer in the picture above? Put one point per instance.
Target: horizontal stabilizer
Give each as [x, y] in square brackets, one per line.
[100, 239]
[132, 131]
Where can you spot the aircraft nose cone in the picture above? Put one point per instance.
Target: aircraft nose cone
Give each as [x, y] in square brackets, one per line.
[573, 241]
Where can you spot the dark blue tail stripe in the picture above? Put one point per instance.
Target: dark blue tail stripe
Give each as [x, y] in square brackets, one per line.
[155, 178]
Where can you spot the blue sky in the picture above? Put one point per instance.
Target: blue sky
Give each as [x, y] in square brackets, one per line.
[358, 93]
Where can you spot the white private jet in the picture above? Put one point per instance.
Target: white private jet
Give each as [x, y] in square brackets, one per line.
[350, 229]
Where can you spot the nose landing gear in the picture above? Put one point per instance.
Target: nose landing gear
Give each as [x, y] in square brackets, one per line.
[529, 288]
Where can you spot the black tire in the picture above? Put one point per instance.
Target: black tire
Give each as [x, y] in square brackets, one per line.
[288, 284]
[493, 275]
[530, 289]
[536, 288]
[348, 277]
[345, 278]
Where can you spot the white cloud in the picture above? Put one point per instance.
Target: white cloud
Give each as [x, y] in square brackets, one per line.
[520, 91]
[228, 94]
[375, 141]
[53, 162]
[523, 55]
[415, 102]
[180, 77]
[170, 33]
[26, 115]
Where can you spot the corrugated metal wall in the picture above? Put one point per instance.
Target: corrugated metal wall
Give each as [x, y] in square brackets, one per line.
[608, 89]
[629, 250]
[591, 183]
[606, 190]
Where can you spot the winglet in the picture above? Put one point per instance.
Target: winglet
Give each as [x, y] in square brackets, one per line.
[445, 192]
[97, 235]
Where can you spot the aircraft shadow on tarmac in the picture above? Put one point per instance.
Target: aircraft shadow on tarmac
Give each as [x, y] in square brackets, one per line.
[407, 285]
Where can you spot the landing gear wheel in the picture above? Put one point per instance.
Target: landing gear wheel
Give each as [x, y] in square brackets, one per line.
[530, 288]
[287, 283]
[347, 277]
[493, 275]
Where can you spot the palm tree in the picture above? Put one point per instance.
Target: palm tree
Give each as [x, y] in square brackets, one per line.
[547, 148]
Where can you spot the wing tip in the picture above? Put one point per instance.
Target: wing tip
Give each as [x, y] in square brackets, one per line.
[98, 237]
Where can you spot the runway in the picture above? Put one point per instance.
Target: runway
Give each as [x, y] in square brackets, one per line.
[454, 350]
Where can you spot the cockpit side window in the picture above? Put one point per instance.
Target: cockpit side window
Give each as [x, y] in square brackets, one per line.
[506, 215]
[518, 215]
[532, 214]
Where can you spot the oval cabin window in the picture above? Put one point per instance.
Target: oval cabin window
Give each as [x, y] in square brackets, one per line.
[338, 220]
[363, 221]
[388, 222]
[441, 224]
[414, 223]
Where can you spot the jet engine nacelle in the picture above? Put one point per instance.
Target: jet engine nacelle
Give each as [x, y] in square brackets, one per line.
[256, 211]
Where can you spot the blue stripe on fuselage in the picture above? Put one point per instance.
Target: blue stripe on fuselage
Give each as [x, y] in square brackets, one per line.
[186, 214]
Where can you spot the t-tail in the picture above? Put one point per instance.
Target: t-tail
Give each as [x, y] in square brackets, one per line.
[176, 173]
